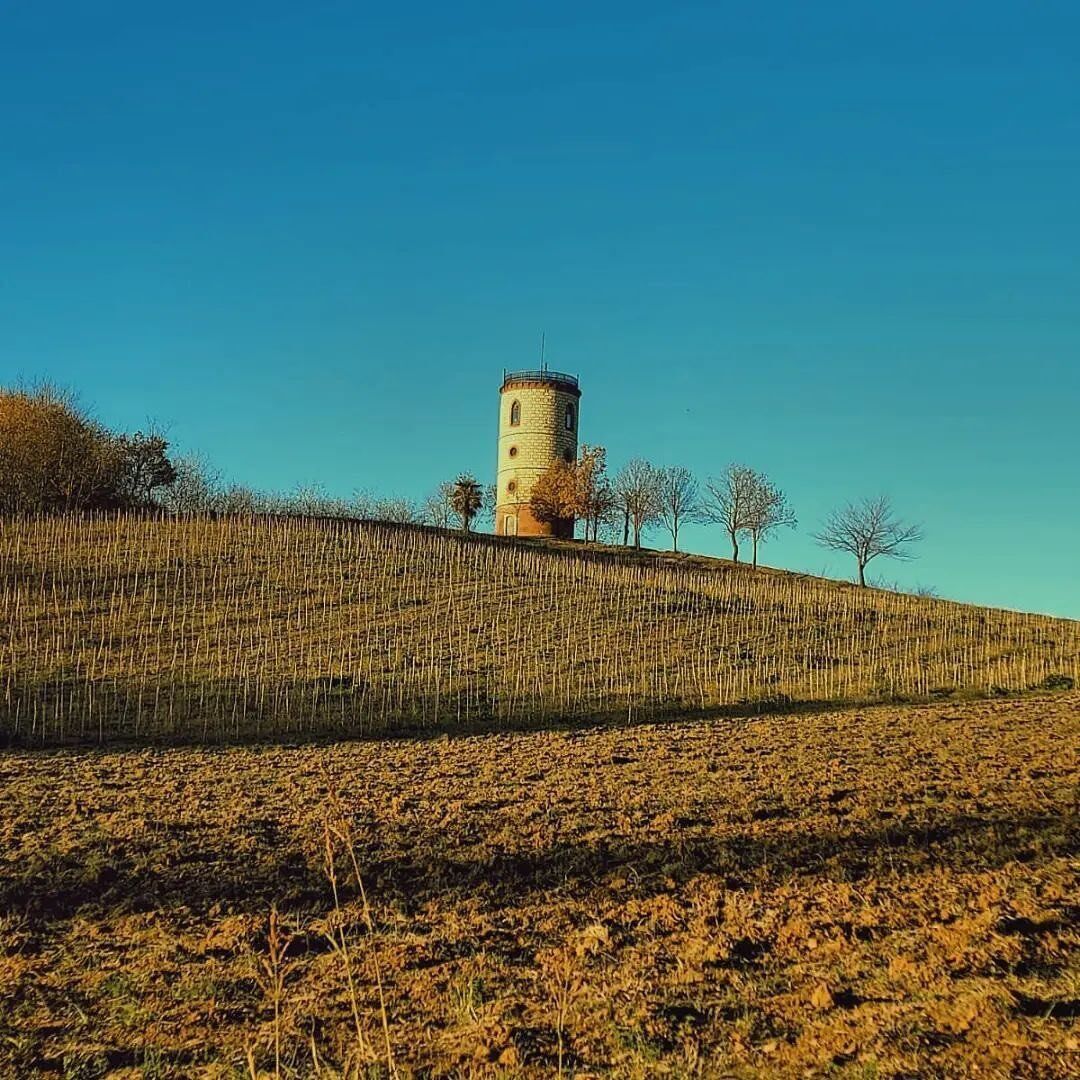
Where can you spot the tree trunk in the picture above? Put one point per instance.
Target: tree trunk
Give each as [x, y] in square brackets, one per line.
[755, 550]
[862, 574]
[675, 537]
[734, 546]
[626, 528]
[637, 536]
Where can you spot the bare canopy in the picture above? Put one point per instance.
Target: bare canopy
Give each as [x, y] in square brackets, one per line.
[638, 497]
[867, 529]
[729, 501]
[677, 499]
[768, 510]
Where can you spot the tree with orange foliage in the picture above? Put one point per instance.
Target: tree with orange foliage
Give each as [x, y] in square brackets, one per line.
[575, 490]
[55, 457]
[52, 455]
[554, 496]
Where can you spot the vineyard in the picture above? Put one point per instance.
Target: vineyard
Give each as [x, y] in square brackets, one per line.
[124, 627]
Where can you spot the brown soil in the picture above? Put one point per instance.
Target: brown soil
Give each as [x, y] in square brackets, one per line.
[885, 893]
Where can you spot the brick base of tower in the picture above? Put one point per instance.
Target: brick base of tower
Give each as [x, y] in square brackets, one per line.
[519, 520]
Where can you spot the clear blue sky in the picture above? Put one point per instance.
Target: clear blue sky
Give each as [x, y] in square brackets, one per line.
[836, 241]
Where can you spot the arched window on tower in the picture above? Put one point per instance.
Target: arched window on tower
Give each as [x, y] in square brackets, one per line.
[515, 414]
[569, 420]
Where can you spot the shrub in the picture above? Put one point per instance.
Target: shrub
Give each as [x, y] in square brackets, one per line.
[1058, 682]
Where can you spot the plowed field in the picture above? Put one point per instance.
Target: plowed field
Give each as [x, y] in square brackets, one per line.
[878, 893]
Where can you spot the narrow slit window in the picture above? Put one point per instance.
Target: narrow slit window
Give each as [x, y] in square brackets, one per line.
[515, 414]
[569, 419]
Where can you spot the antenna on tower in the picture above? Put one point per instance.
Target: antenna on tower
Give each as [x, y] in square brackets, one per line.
[543, 343]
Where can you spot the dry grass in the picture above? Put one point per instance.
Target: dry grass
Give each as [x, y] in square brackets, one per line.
[890, 892]
[249, 627]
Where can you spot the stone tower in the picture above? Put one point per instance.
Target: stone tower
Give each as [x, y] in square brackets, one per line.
[538, 425]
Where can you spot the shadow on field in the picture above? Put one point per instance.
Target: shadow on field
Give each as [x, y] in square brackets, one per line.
[170, 871]
[338, 709]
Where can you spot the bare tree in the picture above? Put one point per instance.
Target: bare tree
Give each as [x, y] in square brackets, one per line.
[620, 510]
[602, 509]
[365, 507]
[313, 500]
[491, 504]
[729, 501]
[636, 490]
[396, 510]
[439, 506]
[594, 495]
[238, 499]
[197, 488]
[362, 505]
[677, 493]
[867, 529]
[768, 510]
